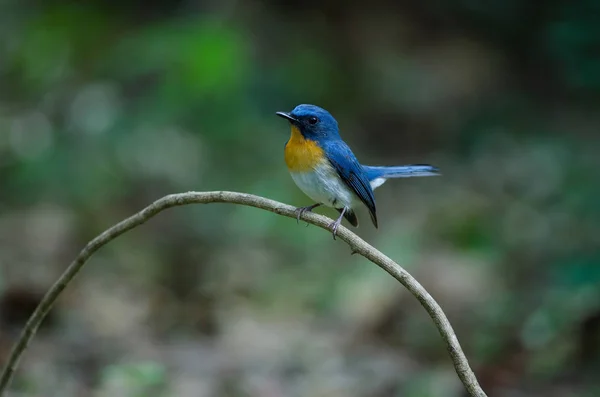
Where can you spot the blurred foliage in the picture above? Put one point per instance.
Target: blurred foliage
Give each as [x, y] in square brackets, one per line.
[137, 379]
[106, 106]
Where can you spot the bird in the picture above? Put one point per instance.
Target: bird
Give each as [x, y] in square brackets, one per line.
[325, 169]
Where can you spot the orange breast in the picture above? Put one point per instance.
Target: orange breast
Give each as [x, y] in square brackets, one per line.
[302, 155]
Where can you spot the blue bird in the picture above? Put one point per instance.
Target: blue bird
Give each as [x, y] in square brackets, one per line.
[325, 169]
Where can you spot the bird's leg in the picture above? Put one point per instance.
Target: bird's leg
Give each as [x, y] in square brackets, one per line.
[335, 225]
[300, 211]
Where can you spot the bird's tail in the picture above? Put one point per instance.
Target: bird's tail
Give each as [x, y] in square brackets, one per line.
[378, 175]
[402, 171]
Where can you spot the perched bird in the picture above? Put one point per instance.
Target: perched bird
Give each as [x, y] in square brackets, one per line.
[325, 169]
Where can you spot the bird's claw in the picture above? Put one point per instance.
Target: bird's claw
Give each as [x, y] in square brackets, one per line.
[334, 228]
[301, 210]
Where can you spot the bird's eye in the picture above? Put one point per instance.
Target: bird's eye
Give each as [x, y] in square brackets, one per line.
[313, 120]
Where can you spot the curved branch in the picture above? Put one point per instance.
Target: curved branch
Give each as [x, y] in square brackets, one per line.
[357, 245]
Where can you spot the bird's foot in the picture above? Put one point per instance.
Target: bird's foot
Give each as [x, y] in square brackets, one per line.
[334, 227]
[300, 211]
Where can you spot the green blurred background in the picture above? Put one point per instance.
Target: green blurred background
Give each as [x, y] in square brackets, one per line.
[106, 106]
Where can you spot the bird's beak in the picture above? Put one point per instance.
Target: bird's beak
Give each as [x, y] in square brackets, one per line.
[287, 116]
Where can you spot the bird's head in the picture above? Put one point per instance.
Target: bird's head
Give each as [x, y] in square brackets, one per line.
[313, 122]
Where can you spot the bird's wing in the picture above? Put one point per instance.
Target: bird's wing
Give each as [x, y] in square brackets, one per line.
[345, 163]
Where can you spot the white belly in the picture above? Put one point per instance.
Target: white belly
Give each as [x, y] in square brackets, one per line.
[324, 186]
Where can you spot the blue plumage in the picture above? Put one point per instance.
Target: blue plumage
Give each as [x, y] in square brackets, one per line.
[401, 171]
[351, 172]
[338, 180]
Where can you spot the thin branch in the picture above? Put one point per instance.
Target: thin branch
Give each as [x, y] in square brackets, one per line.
[357, 245]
